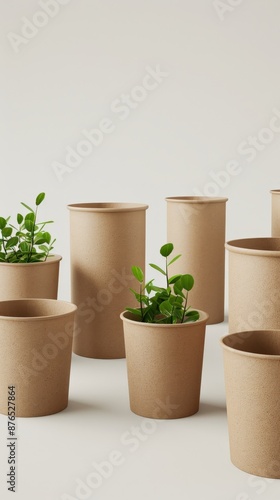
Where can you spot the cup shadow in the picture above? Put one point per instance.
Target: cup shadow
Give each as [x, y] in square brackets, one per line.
[212, 409]
[81, 406]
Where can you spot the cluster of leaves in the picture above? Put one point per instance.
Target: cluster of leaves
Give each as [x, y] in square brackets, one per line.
[165, 305]
[28, 242]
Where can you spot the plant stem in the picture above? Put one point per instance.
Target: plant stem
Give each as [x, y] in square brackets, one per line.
[32, 235]
[166, 272]
[141, 304]
[185, 308]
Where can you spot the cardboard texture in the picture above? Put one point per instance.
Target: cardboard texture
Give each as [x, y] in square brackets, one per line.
[36, 348]
[28, 280]
[252, 374]
[196, 227]
[106, 240]
[254, 284]
[164, 366]
[275, 213]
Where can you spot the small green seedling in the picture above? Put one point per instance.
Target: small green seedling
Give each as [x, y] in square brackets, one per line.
[166, 305]
[29, 242]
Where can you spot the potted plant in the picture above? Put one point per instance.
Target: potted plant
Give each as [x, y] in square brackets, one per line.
[164, 344]
[27, 268]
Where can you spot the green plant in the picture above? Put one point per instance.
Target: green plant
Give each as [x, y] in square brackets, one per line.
[166, 305]
[28, 242]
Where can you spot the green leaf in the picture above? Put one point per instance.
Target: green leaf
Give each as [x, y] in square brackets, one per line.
[12, 242]
[191, 316]
[178, 288]
[187, 281]
[149, 313]
[44, 248]
[40, 198]
[140, 298]
[37, 257]
[24, 247]
[19, 218]
[175, 258]
[177, 301]
[41, 238]
[3, 222]
[137, 312]
[26, 206]
[29, 225]
[155, 288]
[2, 257]
[166, 249]
[154, 266]
[47, 237]
[166, 308]
[174, 278]
[6, 232]
[148, 286]
[30, 216]
[138, 273]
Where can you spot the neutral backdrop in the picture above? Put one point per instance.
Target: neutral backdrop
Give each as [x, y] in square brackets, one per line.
[208, 122]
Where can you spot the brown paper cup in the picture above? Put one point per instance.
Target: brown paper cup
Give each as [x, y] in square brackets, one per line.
[252, 374]
[254, 284]
[30, 280]
[36, 348]
[196, 227]
[106, 240]
[164, 366]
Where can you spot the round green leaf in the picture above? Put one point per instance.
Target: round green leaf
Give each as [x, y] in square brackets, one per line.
[24, 247]
[6, 232]
[3, 222]
[187, 281]
[30, 216]
[166, 249]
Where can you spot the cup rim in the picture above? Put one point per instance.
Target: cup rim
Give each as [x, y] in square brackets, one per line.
[196, 199]
[109, 206]
[50, 260]
[203, 319]
[252, 246]
[56, 302]
[248, 354]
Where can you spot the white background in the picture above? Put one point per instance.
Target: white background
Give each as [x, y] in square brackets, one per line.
[220, 91]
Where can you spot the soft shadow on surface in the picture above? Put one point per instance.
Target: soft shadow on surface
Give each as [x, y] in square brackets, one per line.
[81, 406]
[212, 409]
